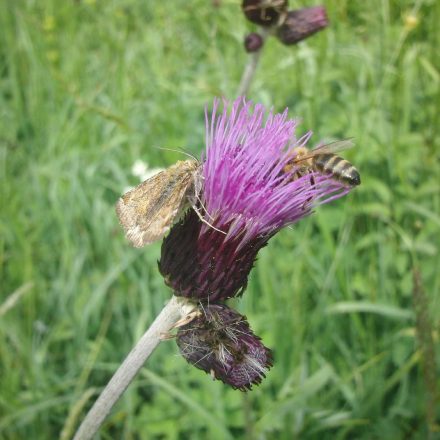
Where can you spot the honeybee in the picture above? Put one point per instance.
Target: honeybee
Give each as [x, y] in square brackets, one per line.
[323, 160]
[148, 211]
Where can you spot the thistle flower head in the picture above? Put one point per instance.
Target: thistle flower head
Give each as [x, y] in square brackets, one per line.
[250, 191]
[247, 190]
[220, 342]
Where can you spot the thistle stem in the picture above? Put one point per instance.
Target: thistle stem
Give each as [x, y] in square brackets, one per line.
[251, 67]
[170, 314]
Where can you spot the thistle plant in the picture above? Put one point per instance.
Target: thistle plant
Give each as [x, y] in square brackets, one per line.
[250, 192]
[249, 186]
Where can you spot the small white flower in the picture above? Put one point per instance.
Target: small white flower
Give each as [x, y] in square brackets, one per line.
[139, 168]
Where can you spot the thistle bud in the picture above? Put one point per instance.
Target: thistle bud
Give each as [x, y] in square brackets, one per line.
[301, 24]
[253, 42]
[219, 341]
[264, 12]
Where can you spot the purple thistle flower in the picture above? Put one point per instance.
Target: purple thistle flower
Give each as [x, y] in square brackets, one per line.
[245, 182]
[249, 192]
[220, 342]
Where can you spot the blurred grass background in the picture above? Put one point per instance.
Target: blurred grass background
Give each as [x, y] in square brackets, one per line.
[88, 87]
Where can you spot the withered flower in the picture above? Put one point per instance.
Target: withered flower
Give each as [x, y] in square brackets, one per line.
[220, 342]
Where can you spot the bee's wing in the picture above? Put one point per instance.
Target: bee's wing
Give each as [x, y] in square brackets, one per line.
[331, 147]
[334, 147]
[147, 212]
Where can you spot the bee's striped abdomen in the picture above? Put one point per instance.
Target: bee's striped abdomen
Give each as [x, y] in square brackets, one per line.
[342, 170]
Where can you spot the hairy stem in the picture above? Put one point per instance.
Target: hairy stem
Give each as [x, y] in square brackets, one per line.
[169, 315]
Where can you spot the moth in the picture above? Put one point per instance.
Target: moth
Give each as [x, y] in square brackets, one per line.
[148, 211]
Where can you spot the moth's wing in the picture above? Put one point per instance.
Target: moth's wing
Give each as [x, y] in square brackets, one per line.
[147, 212]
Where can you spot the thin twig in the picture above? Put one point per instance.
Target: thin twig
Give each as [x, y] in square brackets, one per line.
[251, 67]
[170, 314]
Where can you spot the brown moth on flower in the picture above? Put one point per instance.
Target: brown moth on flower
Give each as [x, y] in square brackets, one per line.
[148, 211]
[219, 341]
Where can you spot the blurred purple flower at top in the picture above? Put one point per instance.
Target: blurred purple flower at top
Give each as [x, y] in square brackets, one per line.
[248, 194]
[264, 12]
[302, 23]
[290, 27]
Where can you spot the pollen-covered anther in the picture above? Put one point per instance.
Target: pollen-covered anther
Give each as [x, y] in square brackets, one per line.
[220, 342]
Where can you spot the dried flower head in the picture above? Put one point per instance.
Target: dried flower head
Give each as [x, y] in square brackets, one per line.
[220, 342]
[265, 12]
[302, 23]
[250, 191]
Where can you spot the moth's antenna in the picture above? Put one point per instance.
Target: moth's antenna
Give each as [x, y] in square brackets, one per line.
[178, 151]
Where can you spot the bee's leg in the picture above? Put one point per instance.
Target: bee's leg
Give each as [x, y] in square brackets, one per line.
[312, 184]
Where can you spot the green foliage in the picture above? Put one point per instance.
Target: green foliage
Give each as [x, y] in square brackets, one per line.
[86, 88]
